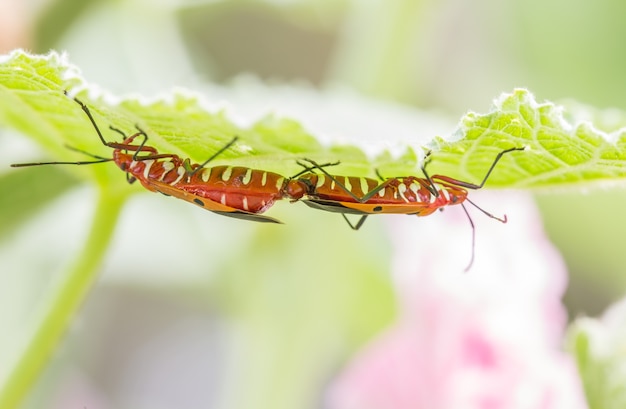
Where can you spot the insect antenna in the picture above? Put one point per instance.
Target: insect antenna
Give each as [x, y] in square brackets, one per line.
[90, 162]
[469, 218]
[99, 159]
[72, 148]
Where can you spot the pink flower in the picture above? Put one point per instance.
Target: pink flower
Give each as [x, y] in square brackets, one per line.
[486, 339]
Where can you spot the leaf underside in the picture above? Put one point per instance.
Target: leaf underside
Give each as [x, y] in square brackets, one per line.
[557, 153]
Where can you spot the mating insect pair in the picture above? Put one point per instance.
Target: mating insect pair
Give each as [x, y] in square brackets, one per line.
[246, 193]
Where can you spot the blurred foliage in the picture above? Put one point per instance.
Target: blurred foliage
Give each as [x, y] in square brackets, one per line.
[30, 191]
[296, 308]
[598, 350]
[267, 38]
[54, 20]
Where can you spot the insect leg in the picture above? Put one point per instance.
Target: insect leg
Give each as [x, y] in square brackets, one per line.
[212, 157]
[363, 199]
[312, 168]
[500, 219]
[126, 144]
[431, 185]
[358, 225]
[474, 186]
[93, 122]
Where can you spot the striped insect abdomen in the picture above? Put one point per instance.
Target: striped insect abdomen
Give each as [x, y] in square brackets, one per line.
[239, 187]
[323, 187]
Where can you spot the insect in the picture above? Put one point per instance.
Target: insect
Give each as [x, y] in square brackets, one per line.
[409, 195]
[237, 192]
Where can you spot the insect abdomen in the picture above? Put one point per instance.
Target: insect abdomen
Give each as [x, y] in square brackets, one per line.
[238, 187]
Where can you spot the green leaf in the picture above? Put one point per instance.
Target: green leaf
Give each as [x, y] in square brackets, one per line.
[558, 153]
[32, 101]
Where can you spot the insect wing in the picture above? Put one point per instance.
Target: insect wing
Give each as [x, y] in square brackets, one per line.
[367, 208]
[208, 204]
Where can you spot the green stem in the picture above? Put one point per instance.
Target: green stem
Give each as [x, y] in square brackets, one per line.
[63, 303]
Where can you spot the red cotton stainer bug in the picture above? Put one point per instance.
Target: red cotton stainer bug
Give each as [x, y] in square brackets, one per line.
[409, 195]
[227, 190]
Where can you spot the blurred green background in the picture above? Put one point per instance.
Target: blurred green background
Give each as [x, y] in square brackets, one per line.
[442, 57]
